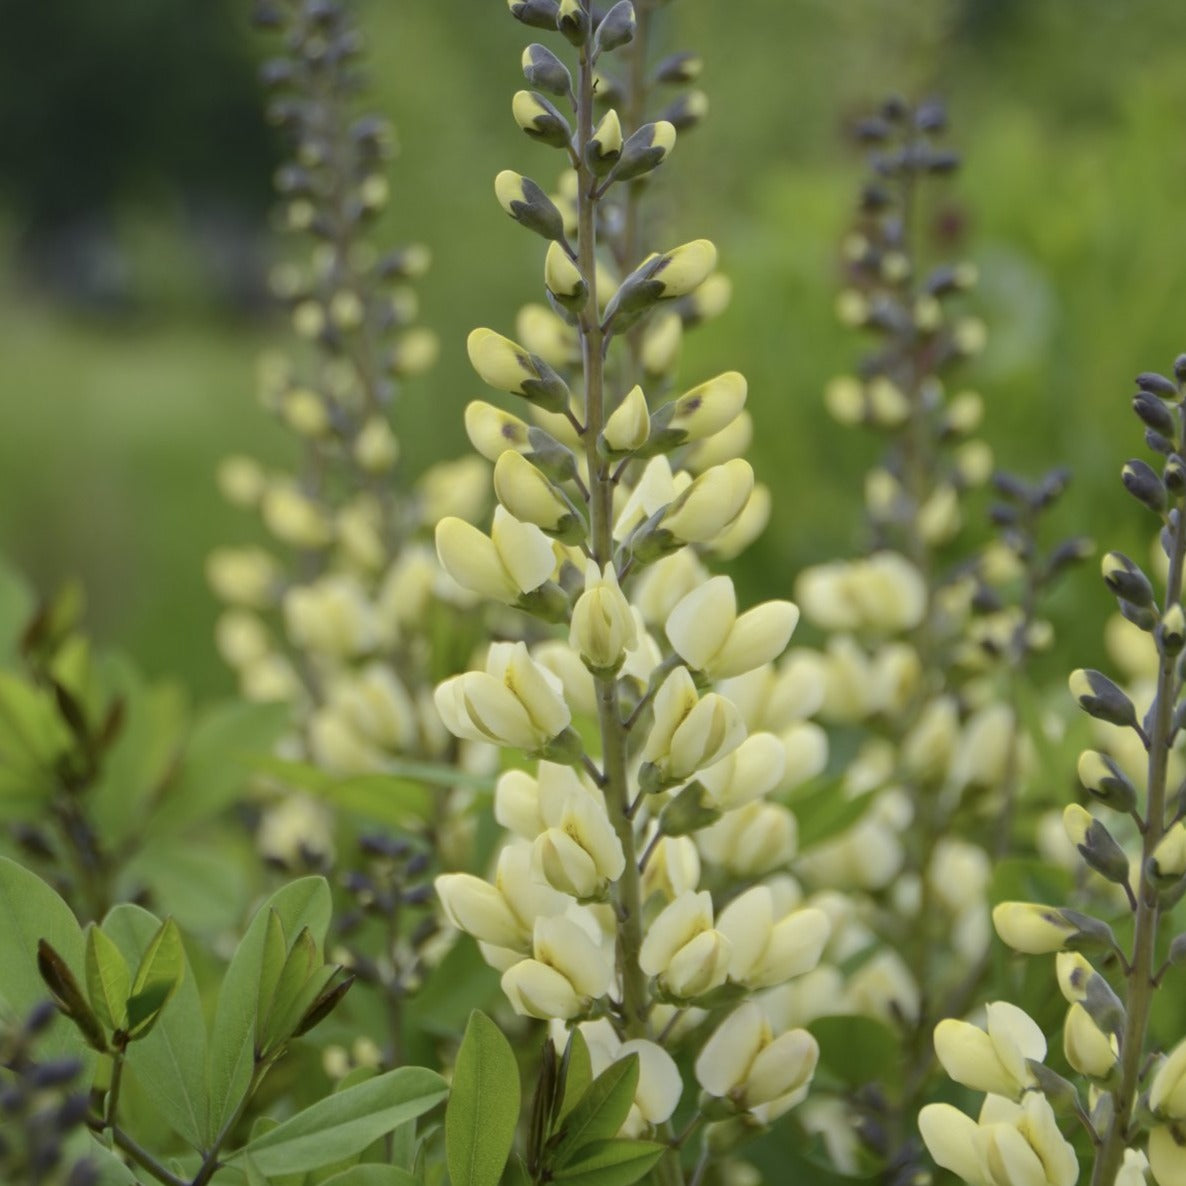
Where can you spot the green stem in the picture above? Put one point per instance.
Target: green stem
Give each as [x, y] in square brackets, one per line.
[210, 1163]
[1140, 970]
[628, 889]
[629, 242]
[117, 1074]
[141, 1157]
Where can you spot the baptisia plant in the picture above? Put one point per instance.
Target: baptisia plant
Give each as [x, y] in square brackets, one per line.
[1122, 1038]
[646, 804]
[927, 638]
[346, 617]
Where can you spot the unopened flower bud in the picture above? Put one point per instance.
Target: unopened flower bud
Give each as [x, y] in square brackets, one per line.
[628, 426]
[1031, 928]
[687, 111]
[751, 840]
[661, 341]
[541, 14]
[644, 151]
[1087, 1048]
[689, 732]
[515, 559]
[492, 431]
[679, 68]
[1099, 697]
[563, 279]
[506, 366]
[710, 503]
[1168, 862]
[1105, 781]
[572, 20]
[541, 121]
[766, 951]
[616, 28]
[992, 1061]
[514, 702]
[241, 481]
[682, 949]
[671, 274]
[543, 69]
[580, 854]
[296, 519]
[531, 498]
[708, 635]
[1144, 485]
[605, 146]
[758, 1073]
[567, 971]
[1095, 844]
[1125, 579]
[1167, 1094]
[244, 576]
[751, 771]
[478, 908]
[1171, 630]
[375, 448]
[528, 205]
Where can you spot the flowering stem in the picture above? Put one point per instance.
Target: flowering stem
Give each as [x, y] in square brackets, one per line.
[1140, 972]
[141, 1157]
[628, 889]
[628, 905]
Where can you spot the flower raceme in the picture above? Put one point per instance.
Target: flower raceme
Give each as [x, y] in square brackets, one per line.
[1011, 1144]
[648, 783]
[514, 702]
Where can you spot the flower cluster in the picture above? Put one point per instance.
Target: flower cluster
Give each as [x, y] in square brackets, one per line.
[342, 627]
[659, 725]
[925, 637]
[44, 1104]
[1134, 844]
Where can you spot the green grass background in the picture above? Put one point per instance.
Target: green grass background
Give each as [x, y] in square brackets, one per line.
[1069, 114]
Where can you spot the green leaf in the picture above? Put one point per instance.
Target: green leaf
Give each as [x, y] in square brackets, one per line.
[823, 810]
[857, 1050]
[344, 1124]
[108, 980]
[273, 962]
[483, 1110]
[204, 884]
[213, 771]
[1027, 879]
[169, 1061]
[16, 605]
[599, 1113]
[612, 1163]
[383, 799]
[140, 762]
[460, 983]
[515, 1173]
[302, 903]
[112, 1172]
[279, 1013]
[372, 1175]
[577, 1069]
[30, 911]
[161, 969]
[63, 986]
[32, 738]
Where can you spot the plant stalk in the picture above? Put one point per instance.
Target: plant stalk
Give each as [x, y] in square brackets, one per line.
[1141, 970]
[627, 890]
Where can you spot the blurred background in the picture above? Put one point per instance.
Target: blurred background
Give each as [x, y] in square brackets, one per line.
[135, 172]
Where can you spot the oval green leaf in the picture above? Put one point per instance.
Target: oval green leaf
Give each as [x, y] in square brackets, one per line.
[483, 1110]
[344, 1124]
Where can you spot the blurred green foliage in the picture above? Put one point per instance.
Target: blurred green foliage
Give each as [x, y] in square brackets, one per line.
[1067, 112]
